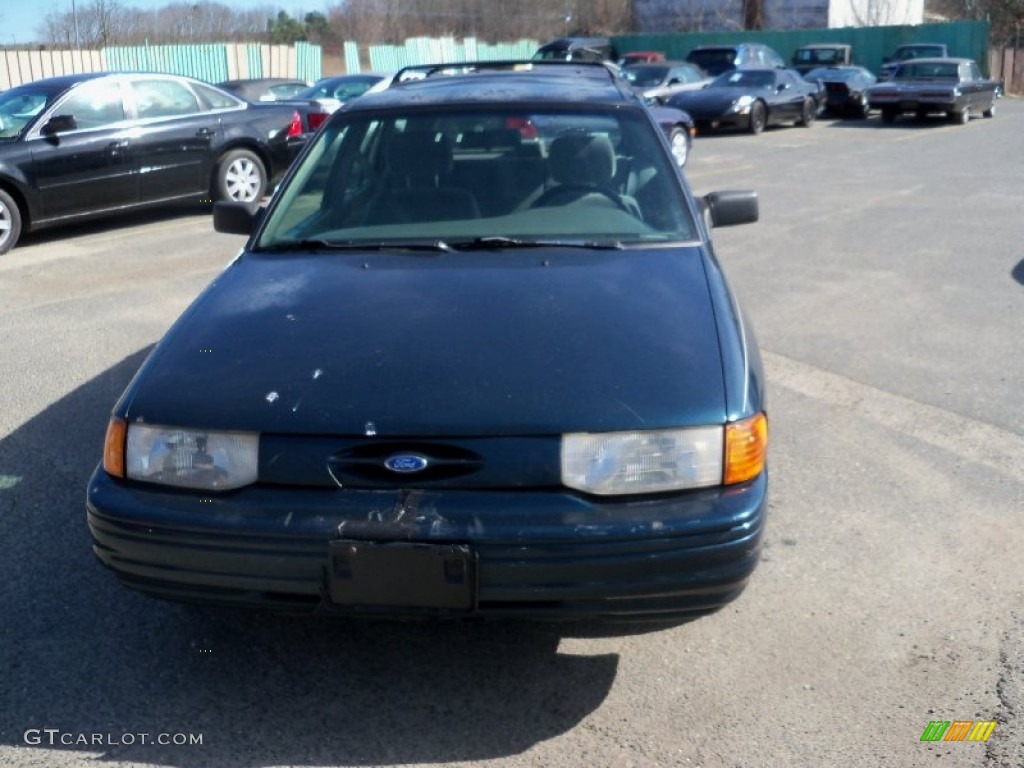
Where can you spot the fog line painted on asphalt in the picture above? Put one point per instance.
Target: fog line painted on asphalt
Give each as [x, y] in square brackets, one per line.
[977, 441]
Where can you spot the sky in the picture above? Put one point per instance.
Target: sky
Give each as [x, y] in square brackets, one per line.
[19, 18]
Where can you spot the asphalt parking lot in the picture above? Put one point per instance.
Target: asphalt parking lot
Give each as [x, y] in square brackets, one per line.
[886, 284]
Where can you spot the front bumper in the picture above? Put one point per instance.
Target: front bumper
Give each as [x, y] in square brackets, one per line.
[915, 102]
[539, 553]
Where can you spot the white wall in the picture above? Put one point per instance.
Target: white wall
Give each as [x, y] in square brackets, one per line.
[875, 13]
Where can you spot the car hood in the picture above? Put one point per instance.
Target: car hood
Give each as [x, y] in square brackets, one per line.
[708, 99]
[520, 342]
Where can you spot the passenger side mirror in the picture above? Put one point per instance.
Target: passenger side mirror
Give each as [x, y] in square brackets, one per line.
[728, 208]
[234, 218]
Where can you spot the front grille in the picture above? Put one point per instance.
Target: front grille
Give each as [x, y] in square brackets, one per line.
[364, 465]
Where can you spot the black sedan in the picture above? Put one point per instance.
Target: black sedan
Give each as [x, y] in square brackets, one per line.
[846, 89]
[80, 146]
[332, 92]
[752, 99]
[282, 91]
[477, 358]
[264, 88]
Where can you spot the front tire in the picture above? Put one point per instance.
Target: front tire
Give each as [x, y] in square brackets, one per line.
[758, 117]
[679, 140]
[10, 222]
[241, 177]
[961, 117]
[991, 111]
[808, 112]
[863, 108]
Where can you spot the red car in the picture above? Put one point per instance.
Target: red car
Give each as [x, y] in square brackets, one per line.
[640, 57]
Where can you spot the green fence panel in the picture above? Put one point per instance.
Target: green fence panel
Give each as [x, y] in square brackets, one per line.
[870, 44]
[437, 50]
[206, 62]
[388, 58]
[351, 53]
[254, 60]
[520, 49]
[308, 61]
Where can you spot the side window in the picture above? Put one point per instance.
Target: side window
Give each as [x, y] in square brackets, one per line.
[216, 99]
[163, 98]
[94, 105]
[975, 71]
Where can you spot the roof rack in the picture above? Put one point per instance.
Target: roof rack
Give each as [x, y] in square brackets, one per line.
[423, 71]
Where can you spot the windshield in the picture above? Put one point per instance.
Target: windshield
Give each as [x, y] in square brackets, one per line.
[580, 176]
[834, 75]
[17, 108]
[919, 52]
[818, 55]
[744, 79]
[714, 61]
[928, 71]
[645, 77]
[343, 90]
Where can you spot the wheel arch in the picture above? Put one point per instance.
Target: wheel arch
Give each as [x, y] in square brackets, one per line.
[22, 200]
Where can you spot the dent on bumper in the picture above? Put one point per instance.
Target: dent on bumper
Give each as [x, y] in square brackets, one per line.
[543, 554]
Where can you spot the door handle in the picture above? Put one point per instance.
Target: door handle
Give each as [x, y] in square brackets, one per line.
[204, 133]
[116, 148]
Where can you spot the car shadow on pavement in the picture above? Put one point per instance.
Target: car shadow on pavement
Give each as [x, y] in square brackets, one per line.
[1018, 272]
[94, 670]
[114, 222]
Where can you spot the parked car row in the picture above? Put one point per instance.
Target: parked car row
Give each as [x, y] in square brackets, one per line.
[88, 145]
[81, 146]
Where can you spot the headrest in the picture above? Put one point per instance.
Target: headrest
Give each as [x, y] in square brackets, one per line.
[582, 159]
[493, 140]
[419, 156]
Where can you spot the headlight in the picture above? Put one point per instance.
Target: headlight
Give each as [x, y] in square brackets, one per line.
[191, 458]
[742, 103]
[642, 462]
[612, 463]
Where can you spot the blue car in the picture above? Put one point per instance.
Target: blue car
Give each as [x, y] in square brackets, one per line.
[477, 358]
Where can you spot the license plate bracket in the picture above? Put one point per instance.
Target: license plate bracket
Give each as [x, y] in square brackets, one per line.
[401, 575]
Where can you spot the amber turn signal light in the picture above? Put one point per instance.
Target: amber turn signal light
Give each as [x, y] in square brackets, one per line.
[746, 446]
[113, 447]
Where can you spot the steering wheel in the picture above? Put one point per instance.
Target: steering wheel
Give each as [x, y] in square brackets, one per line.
[577, 191]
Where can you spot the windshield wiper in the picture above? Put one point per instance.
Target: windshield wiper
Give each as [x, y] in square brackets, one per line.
[314, 244]
[498, 242]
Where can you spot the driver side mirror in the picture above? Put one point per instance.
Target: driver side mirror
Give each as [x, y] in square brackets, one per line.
[59, 124]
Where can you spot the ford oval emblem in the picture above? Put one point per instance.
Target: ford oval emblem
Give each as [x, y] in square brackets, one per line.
[406, 462]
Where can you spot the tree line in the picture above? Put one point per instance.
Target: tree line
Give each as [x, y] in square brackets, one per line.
[99, 23]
